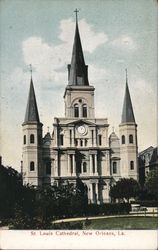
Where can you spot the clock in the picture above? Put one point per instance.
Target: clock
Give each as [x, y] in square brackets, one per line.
[81, 129]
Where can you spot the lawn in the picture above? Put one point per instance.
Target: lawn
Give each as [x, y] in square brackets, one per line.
[121, 223]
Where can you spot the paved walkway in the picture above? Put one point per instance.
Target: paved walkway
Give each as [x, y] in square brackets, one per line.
[109, 216]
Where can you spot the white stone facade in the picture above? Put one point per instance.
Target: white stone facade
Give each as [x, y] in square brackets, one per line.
[79, 145]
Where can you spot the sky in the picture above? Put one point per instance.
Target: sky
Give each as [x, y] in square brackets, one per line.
[115, 35]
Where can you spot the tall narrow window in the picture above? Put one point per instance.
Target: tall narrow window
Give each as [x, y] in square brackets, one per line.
[100, 140]
[32, 166]
[76, 110]
[81, 143]
[61, 139]
[24, 139]
[123, 139]
[93, 163]
[114, 167]
[84, 110]
[71, 163]
[70, 137]
[48, 168]
[131, 165]
[86, 142]
[131, 139]
[32, 138]
[84, 167]
[92, 137]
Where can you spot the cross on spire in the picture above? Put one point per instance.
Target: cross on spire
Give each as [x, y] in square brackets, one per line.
[76, 11]
[48, 129]
[113, 129]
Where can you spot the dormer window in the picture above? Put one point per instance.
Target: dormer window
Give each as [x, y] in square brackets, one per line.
[84, 110]
[76, 110]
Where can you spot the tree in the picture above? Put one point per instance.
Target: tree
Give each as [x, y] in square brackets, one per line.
[125, 189]
[151, 183]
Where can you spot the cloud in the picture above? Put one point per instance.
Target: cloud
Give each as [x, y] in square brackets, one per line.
[124, 42]
[90, 39]
[50, 60]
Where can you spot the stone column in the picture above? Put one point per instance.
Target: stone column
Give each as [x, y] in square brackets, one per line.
[74, 164]
[56, 165]
[96, 163]
[73, 137]
[97, 193]
[69, 166]
[91, 192]
[90, 165]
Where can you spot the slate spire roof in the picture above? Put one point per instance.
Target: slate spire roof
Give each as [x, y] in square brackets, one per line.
[77, 70]
[127, 113]
[31, 110]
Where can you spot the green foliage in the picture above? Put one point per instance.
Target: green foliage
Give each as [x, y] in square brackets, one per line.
[125, 189]
[109, 209]
[11, 190]
[152, 183]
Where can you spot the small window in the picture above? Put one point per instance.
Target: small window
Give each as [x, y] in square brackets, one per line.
[131, 165]
[48, 168]
[84, 110]
[114, 167]
[123, 139]
[24, 139]
[32, 166]
[76, 110]
[32, 138]
[100, 140]
[130, 138]
[81, 143]
[84, 167]
[61, 140]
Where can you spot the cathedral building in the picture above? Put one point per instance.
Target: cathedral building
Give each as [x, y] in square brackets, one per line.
[79, 146]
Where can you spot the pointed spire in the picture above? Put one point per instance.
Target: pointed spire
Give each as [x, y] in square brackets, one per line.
[31, 110]
[127, 113]
[77, 69]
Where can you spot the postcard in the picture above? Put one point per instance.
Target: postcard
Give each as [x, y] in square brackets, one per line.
[78, 124]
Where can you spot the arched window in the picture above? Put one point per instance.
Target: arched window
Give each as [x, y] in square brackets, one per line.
[32, 166]
[24, 139]
[84, 167]
[130, 138]
[100, 140]
[48, 168]
[131, 165]
[81, 143]
[84, 110]
[123, 139]
[32, 138]
[76, 110]
[114, 167]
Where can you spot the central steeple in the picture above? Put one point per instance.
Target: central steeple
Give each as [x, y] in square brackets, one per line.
[77, 70]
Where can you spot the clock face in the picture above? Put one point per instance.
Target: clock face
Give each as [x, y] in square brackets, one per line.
[81, 129]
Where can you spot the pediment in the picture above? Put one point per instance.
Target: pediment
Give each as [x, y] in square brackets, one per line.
[81, 121]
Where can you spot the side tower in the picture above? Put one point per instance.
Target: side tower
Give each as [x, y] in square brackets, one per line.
[32, 139]
[128, 139]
